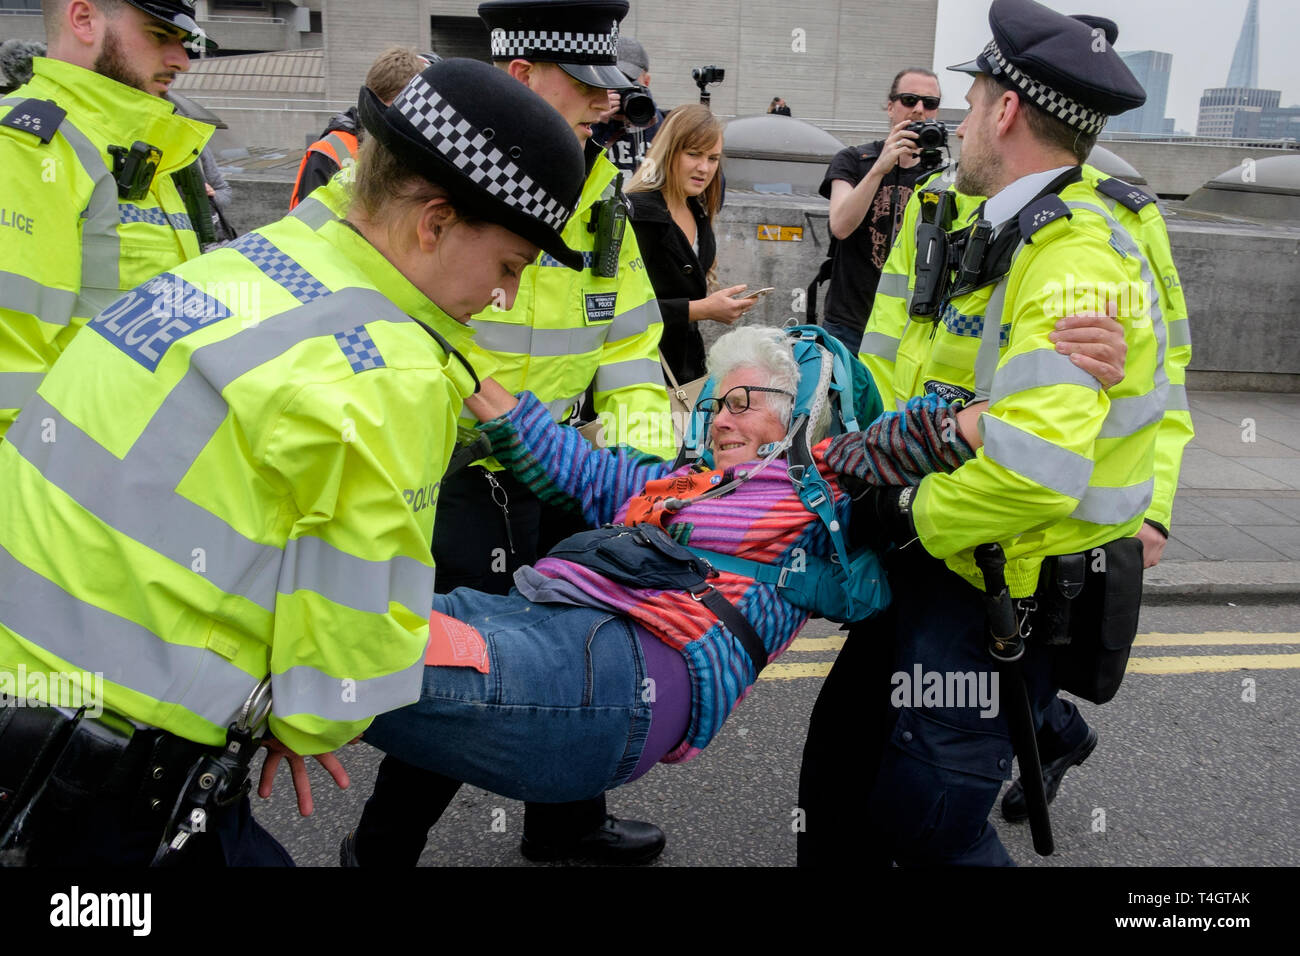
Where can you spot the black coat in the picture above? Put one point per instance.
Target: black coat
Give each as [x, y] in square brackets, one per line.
[677, 274]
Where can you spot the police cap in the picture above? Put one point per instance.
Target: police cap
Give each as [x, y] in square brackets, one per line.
[179, 13]
[581, 36]
[1065, 65]
[498, 149]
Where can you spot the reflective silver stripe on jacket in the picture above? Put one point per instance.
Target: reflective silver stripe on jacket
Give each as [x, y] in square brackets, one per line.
[21, 294]
[313, 212]
[548, 343]
[17, 388]
[1115, 506]
[634, 321]
[1036, 369]
[1059, 469]
[127, 654]
[306, 690]
[625, 374]
[880, 344]
[560, 408]
[1177, 399]
[1180, 333]
[172, 525]
[101, 248]
[893, 284]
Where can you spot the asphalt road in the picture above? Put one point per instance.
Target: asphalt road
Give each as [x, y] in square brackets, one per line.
[1197, 765]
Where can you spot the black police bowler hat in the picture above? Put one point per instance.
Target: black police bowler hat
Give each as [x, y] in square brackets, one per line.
[1058, 62]
[179, 13]
[580, 36]
[498, 148]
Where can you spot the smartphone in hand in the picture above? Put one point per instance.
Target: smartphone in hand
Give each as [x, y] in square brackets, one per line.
[757, 293]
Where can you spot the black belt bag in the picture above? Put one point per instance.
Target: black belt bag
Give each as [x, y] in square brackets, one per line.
[55, 762]
[1088, 604]
[644, 556]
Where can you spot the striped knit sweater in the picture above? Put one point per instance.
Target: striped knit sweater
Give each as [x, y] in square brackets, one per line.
[761, 520]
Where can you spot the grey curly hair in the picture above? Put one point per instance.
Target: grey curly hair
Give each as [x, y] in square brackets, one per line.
[771, 352]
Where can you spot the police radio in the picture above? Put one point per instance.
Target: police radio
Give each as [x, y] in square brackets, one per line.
[609, 223]
[932, 271]
[134, 168]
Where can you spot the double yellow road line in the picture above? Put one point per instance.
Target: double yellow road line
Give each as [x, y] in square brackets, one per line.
[1138, 663]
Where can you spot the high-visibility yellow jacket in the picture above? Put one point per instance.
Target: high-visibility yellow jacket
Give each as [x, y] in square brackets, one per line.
[68, 245]
[233, 472]
[900, 380]
[1065, 465]
[566, 328]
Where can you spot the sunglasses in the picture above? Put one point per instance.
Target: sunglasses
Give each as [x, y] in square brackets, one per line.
[736, 400]
[910, 99]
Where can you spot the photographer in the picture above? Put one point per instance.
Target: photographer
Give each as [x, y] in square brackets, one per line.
[868, 187]
[626, 144]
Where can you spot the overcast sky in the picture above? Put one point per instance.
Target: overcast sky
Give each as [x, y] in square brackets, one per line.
[1201, 35]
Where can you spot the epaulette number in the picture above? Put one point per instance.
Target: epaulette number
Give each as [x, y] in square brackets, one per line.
[41, 118]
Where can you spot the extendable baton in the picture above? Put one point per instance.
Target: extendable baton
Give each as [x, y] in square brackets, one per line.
[1007, 647]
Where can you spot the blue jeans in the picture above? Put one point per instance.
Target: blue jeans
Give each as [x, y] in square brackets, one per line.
[558, 717]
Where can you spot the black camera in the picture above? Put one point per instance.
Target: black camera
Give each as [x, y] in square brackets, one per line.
[931, 137]
[637, 106]
[703, 76]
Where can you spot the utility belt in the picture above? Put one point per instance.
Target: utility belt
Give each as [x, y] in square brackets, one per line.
[1086, 609]
[56, 762]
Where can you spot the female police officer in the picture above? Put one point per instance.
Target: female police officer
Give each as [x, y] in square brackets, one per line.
[233, 474]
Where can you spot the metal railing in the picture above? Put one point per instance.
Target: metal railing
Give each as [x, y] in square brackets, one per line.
[222, 18]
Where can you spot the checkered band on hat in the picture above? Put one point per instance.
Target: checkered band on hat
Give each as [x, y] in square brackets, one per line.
[510, 43]
[471, 151]
[1058, 104]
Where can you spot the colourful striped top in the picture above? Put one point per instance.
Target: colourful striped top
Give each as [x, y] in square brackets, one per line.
[761, 520]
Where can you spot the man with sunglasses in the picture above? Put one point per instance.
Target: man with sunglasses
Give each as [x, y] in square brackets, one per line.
[868, 187]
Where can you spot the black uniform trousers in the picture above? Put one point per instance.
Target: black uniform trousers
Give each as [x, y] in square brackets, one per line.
[888, 776]
[471, 549]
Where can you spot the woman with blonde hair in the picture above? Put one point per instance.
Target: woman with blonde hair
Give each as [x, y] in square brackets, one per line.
[675, 195]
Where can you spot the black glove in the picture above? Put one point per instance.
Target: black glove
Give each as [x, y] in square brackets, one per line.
[882, 516]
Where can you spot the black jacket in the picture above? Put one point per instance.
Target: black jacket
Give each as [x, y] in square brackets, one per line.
[677, 274]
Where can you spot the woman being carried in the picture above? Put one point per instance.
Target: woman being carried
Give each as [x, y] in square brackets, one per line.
[574, 683]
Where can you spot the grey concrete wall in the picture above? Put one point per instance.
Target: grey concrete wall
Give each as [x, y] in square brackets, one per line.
[1241, 284]
[1179, 169]
[839, 65]
[357, 31]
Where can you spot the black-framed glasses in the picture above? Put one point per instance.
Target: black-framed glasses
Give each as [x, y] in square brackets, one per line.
[911, 99]
[737, 400]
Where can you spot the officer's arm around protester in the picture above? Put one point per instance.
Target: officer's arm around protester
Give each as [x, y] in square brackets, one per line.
[91, 119]
[249, 450]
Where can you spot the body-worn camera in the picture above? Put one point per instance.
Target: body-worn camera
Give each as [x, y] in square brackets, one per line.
[637, 106]
[931, 137]
[134, 168]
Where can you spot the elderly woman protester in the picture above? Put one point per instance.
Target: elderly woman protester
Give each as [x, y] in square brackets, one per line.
[574, 683]
[675, 195]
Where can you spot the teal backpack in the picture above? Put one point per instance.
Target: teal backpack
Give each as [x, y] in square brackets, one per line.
[851, 584]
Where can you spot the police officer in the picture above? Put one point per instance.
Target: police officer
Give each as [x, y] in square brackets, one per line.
[232, 475]
[567, 333]
[87, 153]
[1064, 467]
[1063, 740]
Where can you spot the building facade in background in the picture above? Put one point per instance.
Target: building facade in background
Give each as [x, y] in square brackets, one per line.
[831, 60]
[1151, 68]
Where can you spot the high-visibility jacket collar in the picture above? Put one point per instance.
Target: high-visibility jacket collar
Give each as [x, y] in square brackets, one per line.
[119, 114]
[383, 275]
[598, 180]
